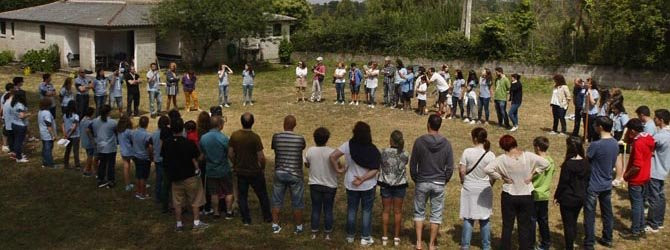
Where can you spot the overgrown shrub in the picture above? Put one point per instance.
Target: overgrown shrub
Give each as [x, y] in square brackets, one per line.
[43, 60]
[285, 51]
[6, 57]
[492, 42]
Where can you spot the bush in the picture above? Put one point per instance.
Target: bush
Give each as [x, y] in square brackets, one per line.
[44, 60]
[492, 41]
[6, 57]
[285, 51]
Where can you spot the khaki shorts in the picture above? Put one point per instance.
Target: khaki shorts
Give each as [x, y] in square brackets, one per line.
[300, 83]
[188, 192]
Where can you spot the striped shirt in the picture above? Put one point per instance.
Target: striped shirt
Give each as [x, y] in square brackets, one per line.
[288, 148]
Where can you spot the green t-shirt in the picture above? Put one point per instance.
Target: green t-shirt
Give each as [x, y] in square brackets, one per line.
[542, 182]
[502, 87]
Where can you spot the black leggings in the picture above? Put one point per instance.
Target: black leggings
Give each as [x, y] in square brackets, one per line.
[559, 116]
[569, 217]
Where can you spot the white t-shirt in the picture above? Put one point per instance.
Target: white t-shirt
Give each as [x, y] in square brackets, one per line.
[371, 82]
[441, 84]
[423, 87]
[354, 170]
[340, 71]
[469, 158]
[300, 72]
[320, 171]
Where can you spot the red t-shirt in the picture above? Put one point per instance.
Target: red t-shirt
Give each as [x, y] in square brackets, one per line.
[640, 156]
[193, 136]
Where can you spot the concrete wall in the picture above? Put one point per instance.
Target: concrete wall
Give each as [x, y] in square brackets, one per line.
[145, 48]
[27, 37]
[605, 75]
[87, 49]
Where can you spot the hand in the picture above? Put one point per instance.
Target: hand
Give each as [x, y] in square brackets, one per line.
[621, 142]
[529, 179]
[556, 202]
[357, 182]
[507, 180]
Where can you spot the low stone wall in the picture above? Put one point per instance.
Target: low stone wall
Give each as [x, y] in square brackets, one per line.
[605, 75]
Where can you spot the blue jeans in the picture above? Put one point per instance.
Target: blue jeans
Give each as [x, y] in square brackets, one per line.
[283, 181]
[540, 218]
[339, 88]
[322, 200]
[47, 153]
[19, 138]
[514, 113]
[501, 112]
[99, 102]
[636, 195]
[247, 92]
[483, 104]
[466, 234]
[223, 94]
[388, 92]
[371, 91]
[366, 200]
[155, 98]
[605, 198]
[656, 197]
[423, 192]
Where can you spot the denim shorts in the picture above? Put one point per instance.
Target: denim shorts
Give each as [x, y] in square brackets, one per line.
[424, 192]
[397, 192]
[283, 181]
[142, 168]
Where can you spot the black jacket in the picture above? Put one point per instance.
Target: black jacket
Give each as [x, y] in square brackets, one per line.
[571, 190]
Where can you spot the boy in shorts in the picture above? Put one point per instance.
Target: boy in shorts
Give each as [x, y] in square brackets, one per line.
[143, 152]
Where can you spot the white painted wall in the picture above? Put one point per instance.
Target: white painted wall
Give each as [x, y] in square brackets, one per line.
[27, 37]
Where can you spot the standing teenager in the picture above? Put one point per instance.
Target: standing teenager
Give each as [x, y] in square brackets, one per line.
[116, 90]
[560, 98]
[133, 85]
[502, 85]
[224, 73]
[172, 85]
[124, 129]
[300, 81]
[104, 135]
[371, 83]
[571, 190]
[153, 87]
[48, 91]
[458, 92]
[319, 71]
[248, 75]
[515, 97]
[188, 82]
[67, 94]
[392, 181]
[485, 90]
[339, 76]
[19, 116]
[322, 182]
[46, 124]
[100, 88]
[71, 133]
[355, 79]
[83, 85]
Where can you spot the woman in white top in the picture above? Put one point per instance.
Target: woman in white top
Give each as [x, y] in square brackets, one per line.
[560, 99]
[301, 80]
[224, 72]
[363, 162]
[340, 72]
[476, 193]
[516, 168]
[371, 74]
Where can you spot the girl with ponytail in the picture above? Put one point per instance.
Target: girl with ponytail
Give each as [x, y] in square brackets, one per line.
[104, 136]
[476, 193]
[393, 182]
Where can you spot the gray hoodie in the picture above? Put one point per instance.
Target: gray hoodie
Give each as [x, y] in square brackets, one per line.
[432, 160]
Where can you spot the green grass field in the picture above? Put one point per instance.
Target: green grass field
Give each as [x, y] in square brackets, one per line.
[59, 209]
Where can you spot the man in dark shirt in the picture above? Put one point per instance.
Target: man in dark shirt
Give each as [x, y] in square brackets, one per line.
[578, 93]
[180, 158]
[246, 153]
[133, 83]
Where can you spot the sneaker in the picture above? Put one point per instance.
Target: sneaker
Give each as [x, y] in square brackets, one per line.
[207, 212]
[385, 241]
[604, 243]
[356, 103]
[336, 103]
[32, 139]
[251, 103]
[226, 105]
[139, 196]
[515, 128]
[129, 187]
[276, 229]
[200, 226]
[466, 120]
[298, 230]
[5, 149]
[327, 236]
[661, 227]
[350, 240]
[396, 241]
[179, 229]
[22, 160]
[630, 235]
[103, 184]
[553, 133]
[342, 103]
[367, 242]
[351, 103]
[650, 229]
[229, 216]
[472, 122]
[313, 237]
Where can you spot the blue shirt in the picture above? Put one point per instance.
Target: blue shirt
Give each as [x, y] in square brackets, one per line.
[484, 88]
[66, 96]
[117, 84]
[44, 88]
[141, 139]
[125, 143]
[594, 108]
[660, 163]
[104, 134]
[100, 86]
[620, 121]
[579, 93]
[602, 155]
[248, 77]
[15, 110]
[85, 140]
[407, 85]
[79, 81]
[355, 76]
[650, 127]
[7, 115]
[156, 139]
[458, 87]
[69, 123]
[45, 120]
[214, 145]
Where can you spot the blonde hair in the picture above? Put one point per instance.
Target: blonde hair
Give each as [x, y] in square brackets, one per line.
[173, 66]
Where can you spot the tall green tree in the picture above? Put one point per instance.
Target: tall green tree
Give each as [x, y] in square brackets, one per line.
[205, 22]
[299, 9]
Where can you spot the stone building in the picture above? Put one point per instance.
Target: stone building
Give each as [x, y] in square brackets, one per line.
[101, 33]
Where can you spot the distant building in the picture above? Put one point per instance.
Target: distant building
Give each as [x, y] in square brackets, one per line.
[101, 33]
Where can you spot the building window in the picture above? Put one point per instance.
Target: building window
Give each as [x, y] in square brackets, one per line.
[276, 29]
[12, 26]
[43, 33]
[3, 28]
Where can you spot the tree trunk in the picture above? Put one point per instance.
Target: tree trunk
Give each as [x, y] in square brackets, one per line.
[205, 49]
[468, 18]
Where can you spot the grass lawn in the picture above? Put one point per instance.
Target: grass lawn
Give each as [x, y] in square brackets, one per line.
[45, 208]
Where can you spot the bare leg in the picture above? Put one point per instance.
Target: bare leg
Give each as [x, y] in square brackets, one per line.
[126, 172]
[385, 215]
[433, 235]
[619, 166]
[418, 225]
[196, 213]
[275, 215]
[397, 216]
[229, 203]
[297, 216]
[215, 204]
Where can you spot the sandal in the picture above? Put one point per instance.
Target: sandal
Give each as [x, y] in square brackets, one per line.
[385, 240]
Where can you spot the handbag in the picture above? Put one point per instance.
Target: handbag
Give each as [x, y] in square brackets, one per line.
[477, 164]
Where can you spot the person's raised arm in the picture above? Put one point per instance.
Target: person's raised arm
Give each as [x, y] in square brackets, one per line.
[334, 161]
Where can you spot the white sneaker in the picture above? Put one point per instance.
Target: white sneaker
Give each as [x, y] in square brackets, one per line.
[313, 237]
[226, 105]
[515, 128]
[327, 236]
[650, 229]
[350, 240]
[450, 117]
[351, 103]
[367, 242]
[22, 160]
[244, 104]
[336, 103]
[553, 133]
[356, 103]
[473, 122]
[251, 103]
[342, 103]
[5, 149]
[466, 120]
